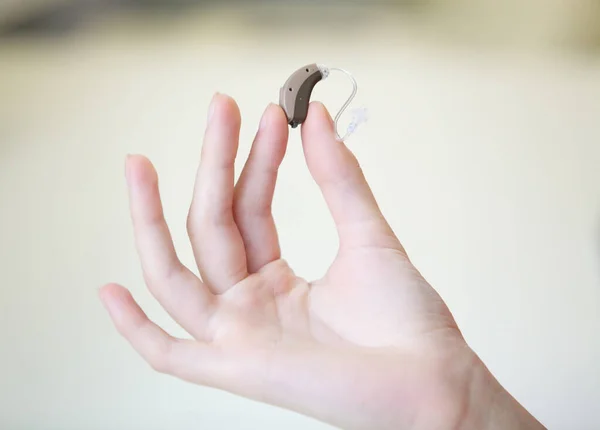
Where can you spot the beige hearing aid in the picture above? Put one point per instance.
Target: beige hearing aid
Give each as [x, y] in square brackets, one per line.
[294, 96]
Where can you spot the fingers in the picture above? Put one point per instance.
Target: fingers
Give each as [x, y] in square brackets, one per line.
[149, 340]
[339, 176]
[185, 359]
[216, 240]
[234, 369]
[255, 188]
[177, 289]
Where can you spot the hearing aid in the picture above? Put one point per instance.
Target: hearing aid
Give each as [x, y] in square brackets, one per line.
[294, 96]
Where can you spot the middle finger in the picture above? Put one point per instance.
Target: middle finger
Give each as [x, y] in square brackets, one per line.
[216, 240]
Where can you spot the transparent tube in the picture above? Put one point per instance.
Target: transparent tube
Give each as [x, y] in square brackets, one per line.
[359, 115]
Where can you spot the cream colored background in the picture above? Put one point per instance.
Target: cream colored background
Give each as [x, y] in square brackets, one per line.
[487, 166]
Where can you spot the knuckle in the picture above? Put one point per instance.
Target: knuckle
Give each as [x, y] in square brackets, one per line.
[158, 359]
[198, 224]
[161, 280]
[158, 364]
[150, 279]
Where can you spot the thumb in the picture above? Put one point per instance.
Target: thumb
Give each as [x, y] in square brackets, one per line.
[337, 172]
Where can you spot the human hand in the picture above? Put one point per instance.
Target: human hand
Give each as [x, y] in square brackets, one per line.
[370, 345]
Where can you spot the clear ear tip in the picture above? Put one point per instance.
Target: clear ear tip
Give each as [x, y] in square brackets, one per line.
[359, 116]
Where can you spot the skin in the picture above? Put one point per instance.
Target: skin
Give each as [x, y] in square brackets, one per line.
[371, 345]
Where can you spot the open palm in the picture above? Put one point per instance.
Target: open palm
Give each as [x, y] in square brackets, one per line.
[369, 341]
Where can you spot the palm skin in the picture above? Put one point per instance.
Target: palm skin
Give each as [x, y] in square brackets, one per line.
[369, 346]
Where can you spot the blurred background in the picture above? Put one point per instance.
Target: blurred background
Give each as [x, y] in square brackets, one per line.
[482, 147]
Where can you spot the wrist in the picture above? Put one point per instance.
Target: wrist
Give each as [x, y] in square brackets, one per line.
[492, 407]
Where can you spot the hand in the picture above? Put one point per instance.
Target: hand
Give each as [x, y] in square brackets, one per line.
[369, 346]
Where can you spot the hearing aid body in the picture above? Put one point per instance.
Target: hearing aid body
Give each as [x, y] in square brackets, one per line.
[294, 96]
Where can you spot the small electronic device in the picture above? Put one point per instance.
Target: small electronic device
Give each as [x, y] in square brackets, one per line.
[294, 96]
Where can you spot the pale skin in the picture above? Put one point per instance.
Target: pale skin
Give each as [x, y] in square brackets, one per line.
[371, 345]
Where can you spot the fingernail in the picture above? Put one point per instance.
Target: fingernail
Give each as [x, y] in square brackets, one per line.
[264, 121]
[211, 108]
